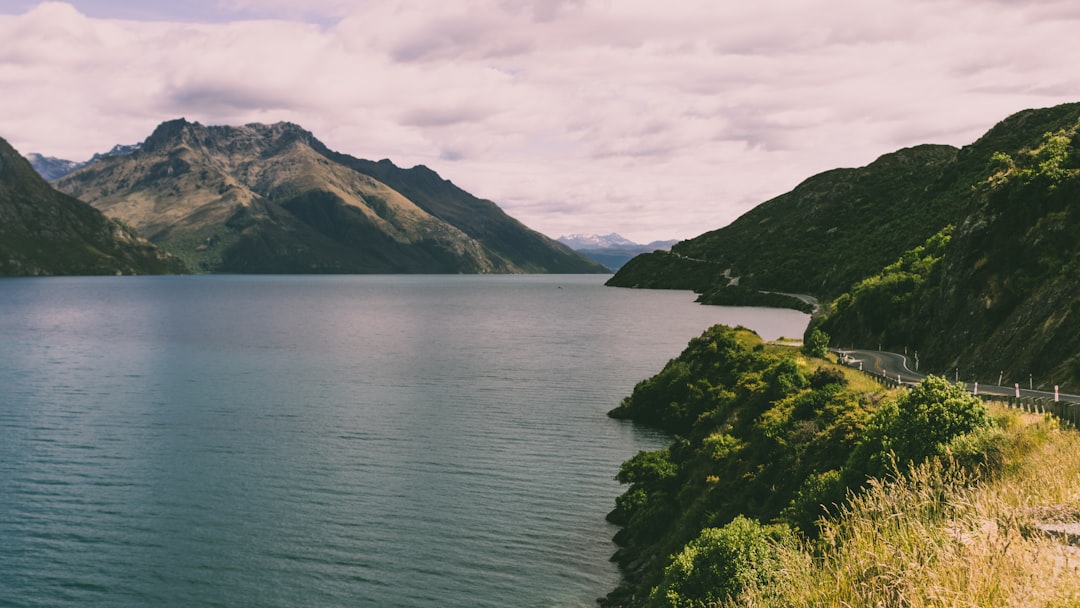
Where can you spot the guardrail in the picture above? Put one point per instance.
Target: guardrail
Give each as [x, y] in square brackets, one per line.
[1064, 410]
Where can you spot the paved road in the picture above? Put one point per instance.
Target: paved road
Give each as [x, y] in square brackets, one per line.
[895, 365]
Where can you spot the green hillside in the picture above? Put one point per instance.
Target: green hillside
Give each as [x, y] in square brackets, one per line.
[1001, 295]
[44, 232]
[831, 230]
[841, 226]
[792, 481]
[967, 256]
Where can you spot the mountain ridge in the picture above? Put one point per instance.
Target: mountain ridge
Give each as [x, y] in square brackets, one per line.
[273, 198]
[612, 250]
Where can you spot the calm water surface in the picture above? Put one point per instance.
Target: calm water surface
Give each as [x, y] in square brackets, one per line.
[323, 441]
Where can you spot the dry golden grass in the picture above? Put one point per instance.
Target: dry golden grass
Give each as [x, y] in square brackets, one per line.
[937, 536]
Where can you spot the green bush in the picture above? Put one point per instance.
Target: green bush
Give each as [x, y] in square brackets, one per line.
[920, 423]
[720, 563]
[816, 343]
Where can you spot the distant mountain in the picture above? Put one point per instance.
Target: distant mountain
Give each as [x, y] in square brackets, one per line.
[611, 250]
[273, 199]
[45, 232]
[596, 241]
[52, 168]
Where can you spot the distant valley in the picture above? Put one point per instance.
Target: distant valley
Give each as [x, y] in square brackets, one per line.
[611, 250]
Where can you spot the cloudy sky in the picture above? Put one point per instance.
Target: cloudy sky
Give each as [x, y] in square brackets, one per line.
[652, 119]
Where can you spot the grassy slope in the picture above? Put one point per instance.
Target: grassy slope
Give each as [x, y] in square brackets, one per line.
[44, 232]
[936, 537]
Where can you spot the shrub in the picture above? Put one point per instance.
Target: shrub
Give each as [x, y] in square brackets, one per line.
[916, 425]
[816, 343]
[720, 563]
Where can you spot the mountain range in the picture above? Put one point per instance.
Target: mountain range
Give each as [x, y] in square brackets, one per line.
[52, 168]
[611, 250]
[273, 199]
[969, 256]
[45, 232]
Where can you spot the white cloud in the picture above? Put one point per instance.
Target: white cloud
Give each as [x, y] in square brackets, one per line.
[651, 119]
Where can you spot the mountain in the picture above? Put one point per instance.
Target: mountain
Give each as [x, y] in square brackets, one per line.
[611, 250]
[596, 241]
[52, 168]
[998, 293]
[273, 199]
[829, 231]
[44, 232]
[968, 256]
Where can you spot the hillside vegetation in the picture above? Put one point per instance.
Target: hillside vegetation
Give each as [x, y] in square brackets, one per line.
[44, 232]
[1000, 292]
[830, 231]
[969, 256]
[792, 481]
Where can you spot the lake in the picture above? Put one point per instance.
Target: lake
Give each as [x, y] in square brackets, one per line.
[281, 441]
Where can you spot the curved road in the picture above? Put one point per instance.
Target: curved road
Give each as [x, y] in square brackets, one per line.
[897, 366]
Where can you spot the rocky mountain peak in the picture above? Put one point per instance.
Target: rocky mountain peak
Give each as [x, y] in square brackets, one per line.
[173, 133]
[257, 139]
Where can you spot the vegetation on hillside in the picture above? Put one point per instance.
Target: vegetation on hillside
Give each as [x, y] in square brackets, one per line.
[870, 312]
[970, 257]
[830, 231]
[780, 466]
[1000, 293]
[44, 232]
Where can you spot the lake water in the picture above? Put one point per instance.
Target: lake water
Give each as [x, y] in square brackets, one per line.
[419, 441]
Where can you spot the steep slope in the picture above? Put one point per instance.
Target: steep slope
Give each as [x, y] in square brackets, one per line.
[272, 198]
[480, 219]
[831, 230]
[1002, 295]
[45, 232]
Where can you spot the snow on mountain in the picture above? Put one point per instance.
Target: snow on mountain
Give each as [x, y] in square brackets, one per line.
[52, 168]
[596, 241]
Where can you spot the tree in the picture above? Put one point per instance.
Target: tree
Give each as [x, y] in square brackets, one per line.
[816, 343]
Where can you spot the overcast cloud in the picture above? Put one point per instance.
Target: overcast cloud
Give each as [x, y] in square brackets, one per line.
[651, 119]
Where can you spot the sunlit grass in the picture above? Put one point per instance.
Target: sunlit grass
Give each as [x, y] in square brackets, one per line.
[937, 535]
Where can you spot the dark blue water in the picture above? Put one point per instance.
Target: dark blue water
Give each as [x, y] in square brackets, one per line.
[323, 441]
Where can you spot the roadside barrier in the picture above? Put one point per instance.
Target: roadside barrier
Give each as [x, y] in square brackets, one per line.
[1065, 411]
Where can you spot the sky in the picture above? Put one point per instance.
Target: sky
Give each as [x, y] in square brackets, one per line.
[655, 120]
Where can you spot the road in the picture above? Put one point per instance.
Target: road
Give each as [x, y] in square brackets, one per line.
[895, 365]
